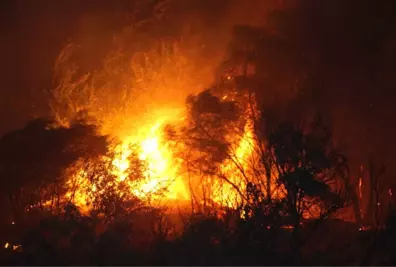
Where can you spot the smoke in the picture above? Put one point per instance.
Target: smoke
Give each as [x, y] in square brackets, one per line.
[351, 45]
[34, 33]
[146, 69]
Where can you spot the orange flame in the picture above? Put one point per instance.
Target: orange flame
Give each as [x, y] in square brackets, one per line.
[138, 119]
[162, 170]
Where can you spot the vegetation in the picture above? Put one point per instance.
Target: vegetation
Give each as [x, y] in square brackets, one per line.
[264, 229]
[269, 182]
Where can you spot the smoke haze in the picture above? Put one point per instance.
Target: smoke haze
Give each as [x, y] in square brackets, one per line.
[351, 43]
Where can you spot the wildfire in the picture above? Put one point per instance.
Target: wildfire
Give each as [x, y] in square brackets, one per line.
[162, 77]
[162, 180]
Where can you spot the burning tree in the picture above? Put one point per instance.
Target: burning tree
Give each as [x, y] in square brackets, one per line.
[67, 165]
[221, 138]
[34, 158]
[275, 174]
[96, 186]
[279, 151]
[131, 97]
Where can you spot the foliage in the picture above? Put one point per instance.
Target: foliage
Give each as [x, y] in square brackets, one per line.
[34, 158]
[304, 165]
[210, 122]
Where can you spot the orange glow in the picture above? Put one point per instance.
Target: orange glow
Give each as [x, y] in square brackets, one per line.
[234, 169]
[163, 181]
[162, 168]
[132, 101]
[160, 176]
[243, 166]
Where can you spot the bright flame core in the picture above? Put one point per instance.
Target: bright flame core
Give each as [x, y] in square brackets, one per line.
[161, 172]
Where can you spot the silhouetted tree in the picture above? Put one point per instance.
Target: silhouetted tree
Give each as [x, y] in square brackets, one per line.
[34, 158]
[307, 171]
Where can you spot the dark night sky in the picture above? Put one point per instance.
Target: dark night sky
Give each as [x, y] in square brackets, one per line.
[353, 41]
[356, 40]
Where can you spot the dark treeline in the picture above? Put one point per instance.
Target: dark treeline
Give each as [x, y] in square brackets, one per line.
[316, 78]
[264, 230]
[125, 231]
